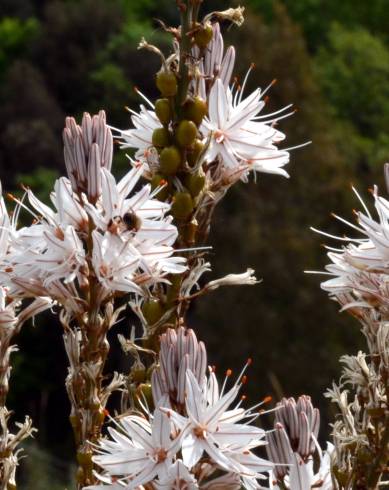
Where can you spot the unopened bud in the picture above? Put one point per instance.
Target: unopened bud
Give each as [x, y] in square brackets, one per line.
[163, 110]
[161, 137]
[194, 183]
[170, 160]
[152, 311]
[195, 109]
[182, 206]
[186, 133]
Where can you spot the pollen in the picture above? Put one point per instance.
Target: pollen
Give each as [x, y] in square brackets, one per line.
[199, 432]
[161, 455]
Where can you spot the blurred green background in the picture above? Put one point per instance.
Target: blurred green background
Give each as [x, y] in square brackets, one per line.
[330, 58]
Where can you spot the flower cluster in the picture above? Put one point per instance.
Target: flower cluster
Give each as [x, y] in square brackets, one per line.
[12, 316]
[105, 245]
[360, 271]
[100, 240]
[360, 267]
[231, 138]
[185, 443]
[123, 239]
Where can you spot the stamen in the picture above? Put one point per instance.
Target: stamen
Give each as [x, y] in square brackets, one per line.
[252, 66]
[361, 200]
[273, 82]
[144, 98]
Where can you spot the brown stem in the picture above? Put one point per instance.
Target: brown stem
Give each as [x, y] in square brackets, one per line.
[381, 459]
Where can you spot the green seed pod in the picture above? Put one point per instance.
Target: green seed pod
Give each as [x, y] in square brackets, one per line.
[194, 152]
[161, 137]
[182, 205]
[170, 160]
[203, 35]
[163, 110]
[194, 183]
[167, 83]
[195, 109]
[152, 311]
[186, 133]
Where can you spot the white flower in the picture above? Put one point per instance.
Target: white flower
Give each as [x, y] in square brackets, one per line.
[360, 267]
[139, 451]
[69, 210]
[140, 226]
[115, 263]
[177, 478]
[245, 278]
[211, 428]
[239, 137]
[140, 137]
[46, 254]
[146, 213]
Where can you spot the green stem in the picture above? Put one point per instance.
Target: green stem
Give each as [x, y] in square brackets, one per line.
[186, 19]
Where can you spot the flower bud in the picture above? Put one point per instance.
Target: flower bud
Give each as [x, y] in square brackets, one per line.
[194, 183]
[182, 205]
[186, 133]
[203, 35]
[167, 83]
[195, 109]
[163, 110]
[170, 160]
[161, 137]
